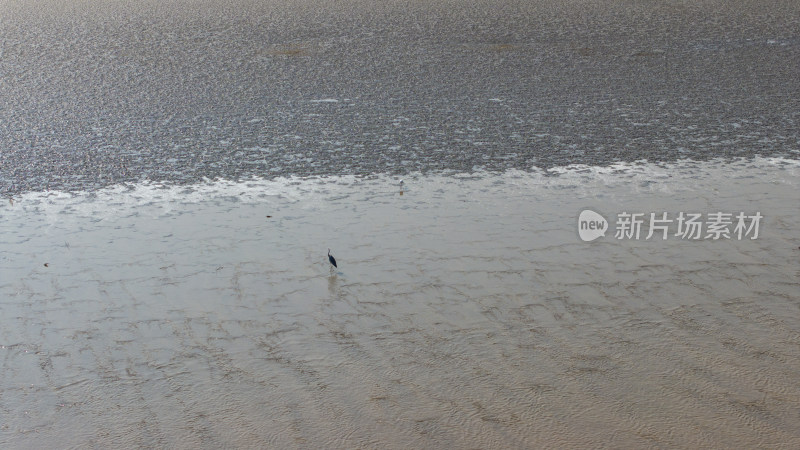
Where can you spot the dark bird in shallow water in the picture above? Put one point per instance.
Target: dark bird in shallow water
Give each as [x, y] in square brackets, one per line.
[332, 259]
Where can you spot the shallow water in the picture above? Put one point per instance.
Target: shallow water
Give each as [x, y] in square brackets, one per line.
[465, 313]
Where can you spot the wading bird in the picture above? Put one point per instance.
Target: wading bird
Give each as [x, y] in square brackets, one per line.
[332, 259]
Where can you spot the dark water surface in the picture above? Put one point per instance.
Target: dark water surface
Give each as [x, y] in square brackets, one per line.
[94, 93]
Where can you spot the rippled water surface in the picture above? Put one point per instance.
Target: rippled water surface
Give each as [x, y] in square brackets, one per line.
[465, 313]
[95, 93]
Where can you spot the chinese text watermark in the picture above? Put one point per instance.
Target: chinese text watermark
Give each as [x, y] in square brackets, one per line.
[683, 225]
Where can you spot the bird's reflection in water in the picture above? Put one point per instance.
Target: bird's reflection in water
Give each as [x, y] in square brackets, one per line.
[333, 284]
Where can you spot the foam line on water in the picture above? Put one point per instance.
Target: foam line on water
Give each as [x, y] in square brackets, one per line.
[639, 175]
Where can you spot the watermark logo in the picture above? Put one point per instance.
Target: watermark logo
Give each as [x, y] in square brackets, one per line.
[591, 225]
[684, 226]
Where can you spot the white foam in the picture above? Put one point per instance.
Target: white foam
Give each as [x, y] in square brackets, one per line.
[640, 176]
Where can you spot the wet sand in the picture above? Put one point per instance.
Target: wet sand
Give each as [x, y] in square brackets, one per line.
[465, 313]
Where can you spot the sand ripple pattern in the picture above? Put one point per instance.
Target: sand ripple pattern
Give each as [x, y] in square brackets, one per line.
[465, 313]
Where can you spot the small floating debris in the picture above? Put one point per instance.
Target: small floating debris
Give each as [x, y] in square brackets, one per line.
[504, 47]
[47, 264]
